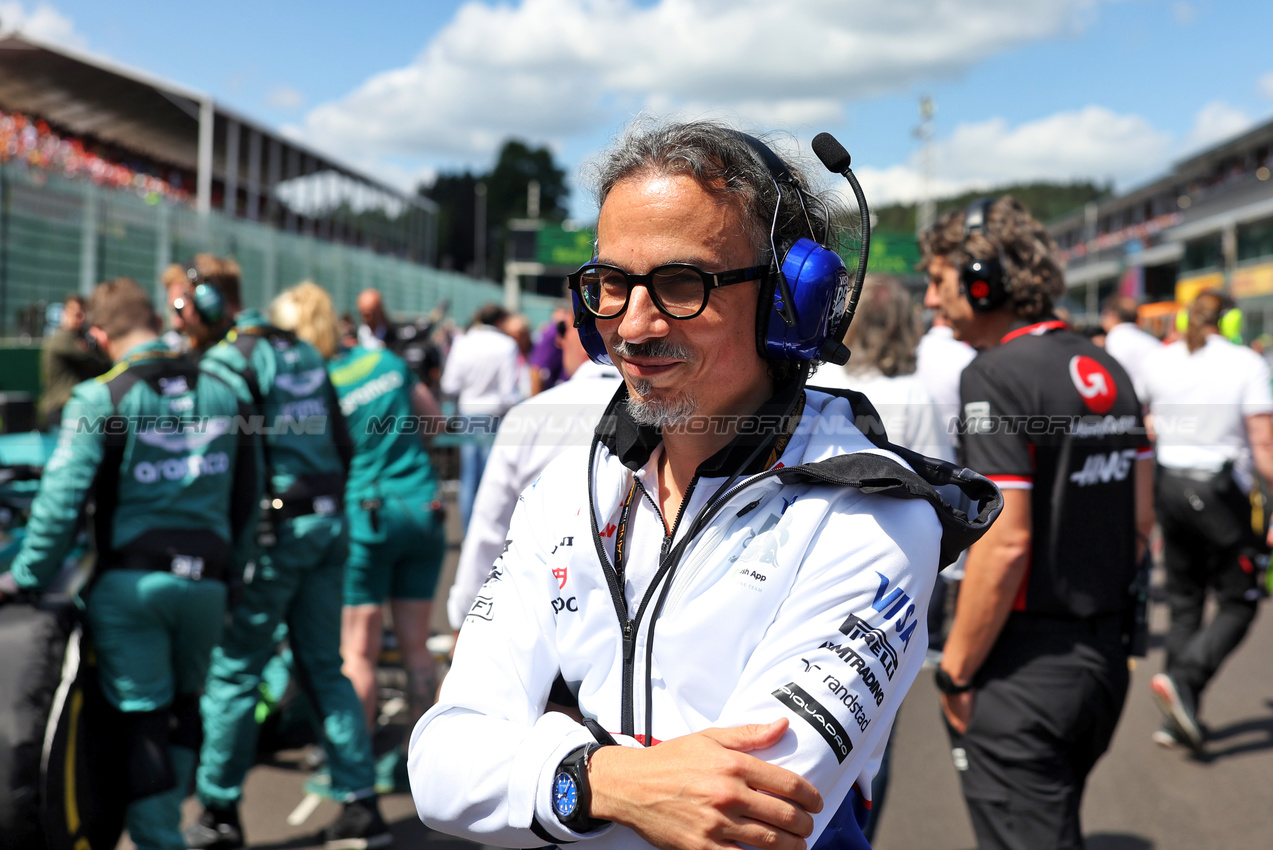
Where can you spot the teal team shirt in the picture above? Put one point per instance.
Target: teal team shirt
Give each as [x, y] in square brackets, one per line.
[375, 387]
[177, 465]
[296, 418]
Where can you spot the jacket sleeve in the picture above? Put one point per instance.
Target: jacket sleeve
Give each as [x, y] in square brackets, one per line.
[340, 428]
[502, 482]
[454, 372]
[846, 644]
[67, 353]
[478, 758]
[68, 478]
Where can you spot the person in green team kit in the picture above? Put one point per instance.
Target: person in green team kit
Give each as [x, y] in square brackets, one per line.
[397, 538]
[154, 442]
[298, 572]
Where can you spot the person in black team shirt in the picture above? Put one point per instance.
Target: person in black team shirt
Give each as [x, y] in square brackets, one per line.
[1034, 672]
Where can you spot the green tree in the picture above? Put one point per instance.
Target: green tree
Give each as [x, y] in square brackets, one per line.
[1046, 201]
[507, 192]
[508, 185]
[456, 199]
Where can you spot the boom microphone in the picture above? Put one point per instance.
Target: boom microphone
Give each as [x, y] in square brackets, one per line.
[837, 161]
[832, 153]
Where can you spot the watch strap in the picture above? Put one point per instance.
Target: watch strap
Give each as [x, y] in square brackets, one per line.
[543, 834]
[599, 732]
[947, 685]
[575, 764]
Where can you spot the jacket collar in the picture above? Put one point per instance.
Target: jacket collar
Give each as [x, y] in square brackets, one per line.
[633, 444]
[1034, 329]
[148, 348]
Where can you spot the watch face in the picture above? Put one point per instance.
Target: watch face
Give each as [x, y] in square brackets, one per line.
[565, 795]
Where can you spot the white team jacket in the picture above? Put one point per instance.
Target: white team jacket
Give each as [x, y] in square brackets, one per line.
[801, 600]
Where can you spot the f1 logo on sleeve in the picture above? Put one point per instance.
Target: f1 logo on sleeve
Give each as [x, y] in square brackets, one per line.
[1094, 383]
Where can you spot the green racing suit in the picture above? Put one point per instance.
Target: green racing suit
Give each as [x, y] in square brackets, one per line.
[154, 443]
[299, 566]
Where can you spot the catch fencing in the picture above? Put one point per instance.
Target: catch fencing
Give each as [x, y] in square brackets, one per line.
[59, 236]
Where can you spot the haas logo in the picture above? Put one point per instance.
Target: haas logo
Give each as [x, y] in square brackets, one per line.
[1094, 383]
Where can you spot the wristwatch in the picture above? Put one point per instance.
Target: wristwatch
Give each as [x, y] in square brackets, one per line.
[572, 795]
[947, 685]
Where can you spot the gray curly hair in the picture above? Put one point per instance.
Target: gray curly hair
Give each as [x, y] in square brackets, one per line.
[720, 160]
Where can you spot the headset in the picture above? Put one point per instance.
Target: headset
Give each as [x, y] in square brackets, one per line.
[984, 282]
[806, 302]
[208, 302]
[1229, 325]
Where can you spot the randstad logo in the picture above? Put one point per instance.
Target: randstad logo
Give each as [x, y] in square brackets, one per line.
[180, 468]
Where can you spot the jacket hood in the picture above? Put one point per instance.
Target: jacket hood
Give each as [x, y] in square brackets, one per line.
[829, 437]
[965, 501]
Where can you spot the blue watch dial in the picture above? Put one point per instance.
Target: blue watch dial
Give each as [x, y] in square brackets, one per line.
[565, 795]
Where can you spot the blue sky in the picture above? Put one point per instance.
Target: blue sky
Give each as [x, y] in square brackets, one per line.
[1025, 89]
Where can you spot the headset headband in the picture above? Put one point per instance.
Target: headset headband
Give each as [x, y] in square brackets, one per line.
[976, 216]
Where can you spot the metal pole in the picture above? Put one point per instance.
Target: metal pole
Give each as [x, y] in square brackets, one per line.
[275, 168]
[1229, 251]
[203, 183]
[163, 247]
[254, 175]
[926, 208]
[532, 199]
[88, 241]
[231, 201]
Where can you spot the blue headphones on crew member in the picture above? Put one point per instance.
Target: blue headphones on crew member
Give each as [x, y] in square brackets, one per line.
[984, 282]
[807, 292]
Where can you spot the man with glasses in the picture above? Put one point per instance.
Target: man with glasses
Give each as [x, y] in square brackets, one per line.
[700, 577]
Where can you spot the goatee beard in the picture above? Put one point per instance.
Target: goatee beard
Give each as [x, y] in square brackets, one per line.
[643, 407]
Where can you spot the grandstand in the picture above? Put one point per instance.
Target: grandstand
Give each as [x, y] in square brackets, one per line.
[108, 171]
[1207, 223]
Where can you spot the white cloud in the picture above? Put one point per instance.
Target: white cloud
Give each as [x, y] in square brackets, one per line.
[1214, 122]
[904, 184]
[1091, 143]
[43, 22]
[550, 69]
[284, 97]
[1266, 85]
[1184, 13]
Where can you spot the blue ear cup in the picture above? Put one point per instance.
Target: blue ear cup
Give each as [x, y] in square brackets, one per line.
[819, 283]
[816, 279]
[588, 333]
[209, 303]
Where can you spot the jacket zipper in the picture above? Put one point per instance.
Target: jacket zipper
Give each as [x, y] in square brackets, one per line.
[666, 569]
[631, 625]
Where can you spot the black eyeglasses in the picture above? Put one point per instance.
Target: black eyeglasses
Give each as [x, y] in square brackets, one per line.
[679, 290]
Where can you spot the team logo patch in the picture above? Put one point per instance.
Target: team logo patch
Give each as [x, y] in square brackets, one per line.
[182, 439]
[559, 573]
[301, 383]
[816, 715]
[1094, 383]
[483, 608]
[173, 386]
